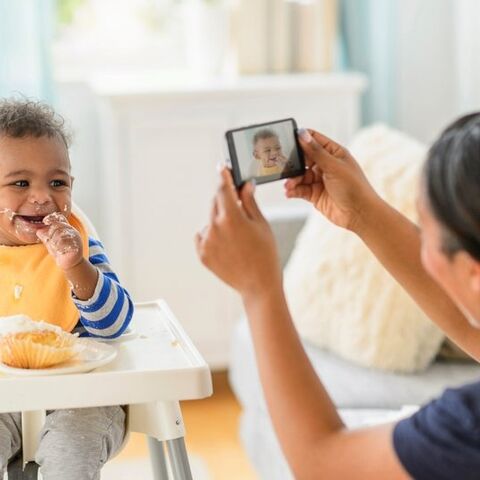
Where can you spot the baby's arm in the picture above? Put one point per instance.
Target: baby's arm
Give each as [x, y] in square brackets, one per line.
[105, 306]
[108, 311]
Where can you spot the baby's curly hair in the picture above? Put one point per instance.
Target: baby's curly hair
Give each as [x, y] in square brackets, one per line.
[21, 118]
[263, 134]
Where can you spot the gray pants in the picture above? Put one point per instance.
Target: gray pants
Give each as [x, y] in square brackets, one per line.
[74, 444]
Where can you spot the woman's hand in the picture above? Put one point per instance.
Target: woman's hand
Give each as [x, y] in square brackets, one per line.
[238, 245]
[333, 182]
[63, 242]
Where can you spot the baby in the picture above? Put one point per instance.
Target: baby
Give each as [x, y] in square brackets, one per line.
[268, 154]
[51, 270]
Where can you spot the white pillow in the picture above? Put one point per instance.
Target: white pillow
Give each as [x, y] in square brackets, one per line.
[341, 298]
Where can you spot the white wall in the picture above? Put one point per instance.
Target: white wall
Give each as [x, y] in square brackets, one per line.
[426, 62]
[467, 26]
[437, 63]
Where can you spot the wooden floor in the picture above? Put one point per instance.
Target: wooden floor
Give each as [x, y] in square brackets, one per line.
[212, 434]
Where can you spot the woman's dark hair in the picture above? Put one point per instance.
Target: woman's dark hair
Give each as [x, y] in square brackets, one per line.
[21, 118]
[452, 182]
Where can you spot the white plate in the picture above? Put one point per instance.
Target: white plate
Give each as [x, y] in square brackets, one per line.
[93, 355]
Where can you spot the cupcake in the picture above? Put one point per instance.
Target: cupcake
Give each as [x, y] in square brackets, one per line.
[25, 343]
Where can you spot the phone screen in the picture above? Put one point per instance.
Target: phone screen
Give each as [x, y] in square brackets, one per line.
[265, 152]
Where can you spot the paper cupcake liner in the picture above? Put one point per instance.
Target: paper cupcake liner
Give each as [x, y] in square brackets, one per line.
[20, 351]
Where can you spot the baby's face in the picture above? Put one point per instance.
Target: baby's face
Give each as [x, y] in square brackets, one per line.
[268, 151]
[34, 182]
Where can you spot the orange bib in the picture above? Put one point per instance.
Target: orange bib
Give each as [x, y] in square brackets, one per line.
[33, 285]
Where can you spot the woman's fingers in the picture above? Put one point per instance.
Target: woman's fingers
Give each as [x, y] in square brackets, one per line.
[199, 246]
[214, 210]
[328, 144]
[227, 199]
[293, 182]
[315, 154]
[229, 204]
[248, 201]
[321, 151]
[200, 241]
[300, 191]
[307, 179]
[225, 203]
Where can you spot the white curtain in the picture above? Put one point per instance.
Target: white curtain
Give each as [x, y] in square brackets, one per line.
[422, 58]
[368, 33]
[280, 36]
[25, 37]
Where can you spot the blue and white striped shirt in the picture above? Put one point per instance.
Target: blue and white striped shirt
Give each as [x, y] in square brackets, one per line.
[108, 312]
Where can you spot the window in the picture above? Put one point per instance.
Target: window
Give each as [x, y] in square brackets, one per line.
[118, 35]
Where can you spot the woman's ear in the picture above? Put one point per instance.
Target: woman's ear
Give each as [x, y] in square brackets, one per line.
[475, 275]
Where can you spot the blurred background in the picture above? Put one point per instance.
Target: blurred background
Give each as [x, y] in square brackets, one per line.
[149, 87]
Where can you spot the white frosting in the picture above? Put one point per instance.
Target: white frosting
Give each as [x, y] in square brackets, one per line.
[17, 292]
[23, 323]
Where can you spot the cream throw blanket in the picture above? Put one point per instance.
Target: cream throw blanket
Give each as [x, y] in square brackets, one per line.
[340, 296]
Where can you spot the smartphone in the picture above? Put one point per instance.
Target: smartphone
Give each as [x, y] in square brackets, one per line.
[265, 152]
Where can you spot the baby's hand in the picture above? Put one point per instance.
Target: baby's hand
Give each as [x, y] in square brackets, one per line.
[63, 242]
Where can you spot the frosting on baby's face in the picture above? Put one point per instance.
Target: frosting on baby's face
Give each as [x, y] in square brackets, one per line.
[269, 151]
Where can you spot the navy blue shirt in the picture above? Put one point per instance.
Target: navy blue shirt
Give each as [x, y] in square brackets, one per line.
[442, 440]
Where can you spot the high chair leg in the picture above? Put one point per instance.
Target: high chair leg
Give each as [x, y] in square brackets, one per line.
[32, 423]
[162, 422]
[178, 463]
[157, 459]
[177, 454]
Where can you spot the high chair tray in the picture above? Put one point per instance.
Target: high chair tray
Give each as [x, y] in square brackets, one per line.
[158, 363]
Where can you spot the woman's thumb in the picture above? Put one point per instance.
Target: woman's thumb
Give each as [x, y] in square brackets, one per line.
[248, 200]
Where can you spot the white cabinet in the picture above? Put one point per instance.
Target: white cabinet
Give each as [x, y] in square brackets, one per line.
[161, 144]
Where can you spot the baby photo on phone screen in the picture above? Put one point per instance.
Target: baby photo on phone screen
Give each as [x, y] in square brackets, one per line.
[267, 151]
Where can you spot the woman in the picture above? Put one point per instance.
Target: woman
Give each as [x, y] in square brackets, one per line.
[439, 265]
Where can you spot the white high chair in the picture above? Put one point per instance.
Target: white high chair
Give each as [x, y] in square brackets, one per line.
[154, 369]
